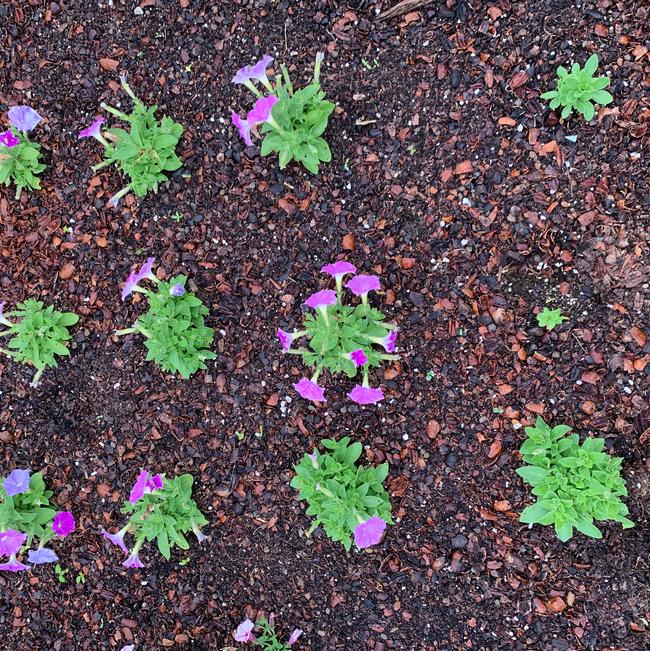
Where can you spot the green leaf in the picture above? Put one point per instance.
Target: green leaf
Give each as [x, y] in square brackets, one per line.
[591, 65]
[550, 318]
[532, 474]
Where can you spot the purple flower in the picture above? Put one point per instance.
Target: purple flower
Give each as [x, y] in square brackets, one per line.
[361, 285]
[94, 130]
[257, 71]
[294, 636]
[8, 139]
[23, 118]
[369, 532]
[135, 277]
[11, 541]
[339, 269]
[177, 290]
[117, 538]
[63, 523]
[261, 112]
[42, 555]
[389, 341]
[133, 560]
[244, 128]
[17, 482]
[321, 299]
[286, 339]
[13, 566]
[358, 357]
[365, 395]
[244, 632]
[145, 484]
[310, 390]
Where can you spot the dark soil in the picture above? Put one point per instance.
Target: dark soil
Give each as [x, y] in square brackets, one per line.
[454, 183]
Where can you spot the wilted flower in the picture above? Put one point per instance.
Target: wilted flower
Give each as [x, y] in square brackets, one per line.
[135, 277]
[365, 395]
[115, 199]
[16, 482]
[133, 560]
[42, 555]
[145, 484]
[177, 290]
[389, 341]
[321, 299]
[94, 130]
[339, 269]
[314, 459]
[244, 632]
[369, 532]
[358, 357]
[361, 285]
[243, 126]
[63, 523]
[309, 390]
[8, 139]
[257, 72]
[293, 638]
[23, 118]
[11, 541]
[13, 565]
[200, 536]
[117, 538]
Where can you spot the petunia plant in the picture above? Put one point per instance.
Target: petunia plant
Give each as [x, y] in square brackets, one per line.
[176, 336]
[343, 338]
[266, 636]
[28, 517]
[20, 158]
[346, 499]
[38, 334]
[548, 318]
[143, 153]
[160, 509]
[292, 122]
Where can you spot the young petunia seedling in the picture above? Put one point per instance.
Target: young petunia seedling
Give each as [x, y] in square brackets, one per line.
[266, 637]
[550, 318]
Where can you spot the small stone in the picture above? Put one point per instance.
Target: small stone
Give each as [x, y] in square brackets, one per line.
[459, 541]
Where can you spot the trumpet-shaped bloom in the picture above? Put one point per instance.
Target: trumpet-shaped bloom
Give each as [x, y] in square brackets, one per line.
[63, 523]
[309, 390]
[293, 638]
[145, 484]
[116, 538]
[94, 130]
[133, 561]
[361, 285]
[358, 357]
[369, 533]
[243, 126]
[365, 395]
[136, 277]
[261, 112]
[42, 555]
[389, 341]
[8, 139]
[286, 339]
[321, 299]
[177, 290]
[11, 541]
[340, 269]
[13, 565]
[244, 632]
[257, 71]
[23, 118]
[200, 536]
[17, 482]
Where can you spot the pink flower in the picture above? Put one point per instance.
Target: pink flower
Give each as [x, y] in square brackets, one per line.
[8, 139]
[358, 357]
[244, 128]
[94, 130]
[23, 118]
[310, 390]
[133, 561]
[63, 523]
[11, 541]
[117, 538]
[365, 395]
[321, 299]
[294, 636]
[136, 277]
[13, 565]
[257, 71]
[145, 485]
[340, 268]
[369, 532]
[261, 112]
[244, 632]
[286, 338]
[361, 285]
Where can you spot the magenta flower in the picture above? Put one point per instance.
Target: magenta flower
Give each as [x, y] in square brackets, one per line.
[294, 636]
[358, 357]
[8, 139]
[244, 128]
[177, 290]
[13, 566]
[145, 485]
[257, 71]
[286, 338]
[63, 523]
[17, 482]
[361, 285]
[136, 277]
[339, 269]
[389, 341]
[244, 632]
[369, 533]
[42, 555]
[261, 112]
[309, 390]
[94, 130]
[23, 118]
[365, 395]
[133, 560]
[321, 299]
[117, 538]
[11, 541]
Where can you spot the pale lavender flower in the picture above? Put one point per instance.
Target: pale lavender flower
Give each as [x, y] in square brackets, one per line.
[361, 285]
[244, 632]
[293, 638]
[11, 541]
[117, 538]
[314, 459]
[339, 269]
[63, 523]
[42, 555]
[369, 533]
[365, 395]
[23, 118]
[257, 71]
[177, 290]
[261, 112]
[321, 299]
[114, 201]
[358, 357]
[200, 536]
[136, 277]
[128, 647]
[243, 126]
[389, 341]
[145, 484]
[13, 565]
[133, 560]
[94, 130]
[8, 139]
[309, 390]
[17, 482]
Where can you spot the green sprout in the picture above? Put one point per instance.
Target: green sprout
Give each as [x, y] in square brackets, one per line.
[60, 573]
[80, 578]
[177, 216]
[550, 318]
